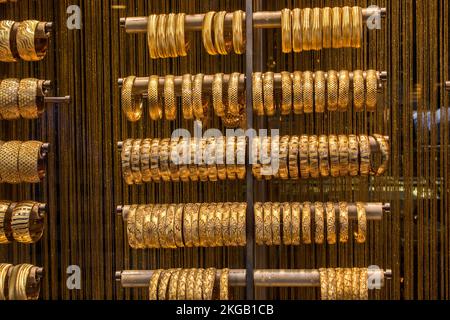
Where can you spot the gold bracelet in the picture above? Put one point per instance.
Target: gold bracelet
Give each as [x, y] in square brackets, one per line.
[327, 29]
[211, 159]
[174, 159]
[238, 33]
[126, 161]
[203, 226]
[146, 146]
[161, 41]
[306, 223]
[323, 284]
[258, 100]
[178, 225]
[224, 276]
[266, 158]
[371, 90]
[286, 217]
[181, 285]
[331, 223]
[173, 285]
[343, 155]
[316, 43]
[365, 152]
[221, 158]
[154, 223]
[209, 278]
[284, 152]
[154, 160]
[225, 224]
[359, 90]
[170, 227]
[267, 234]
[241, 148]
[194, 151]
[26, 225]
[294, 157]
[183, 159]
[27, 96]
[231, 157]
[286, 30]
[362, 223]
[363, 284]
[152, 27]
[19, 283]
[164, 150]
[213, 225]
[190, 283]
[6, 235]
[296, 222]
[180, 35]
[304, 157]
[347, 27]
[187, 225]
[334, 155]
[28, 162]
[320, 88]
[219, 33]
[297, 40]
[4, 272]
[348, 274]
[268, 82]
[355, 283]
[131, 104]
[286, 94]
[343, 222]
[198, 285]
[233, 94]
[308, 92]
[297, 84]
[337, 28]
[332, 90]
[276, 223]
[136, 161]
[186, 97]
[147, 226]
[197, 97]
[357, 27]
[164, 283]
[324, 158]
[202, 167]
[218, 236]
[234, 221]
[340, 282]
[169, 98]
[171, 36]
[344, 90]
[25, 40]
[195, 224]
[314, 156]
[259, 223]
[9, 99]
[385, 151]
[256, 166]
[307, 36]
[162, 223]
[353, 163]
[131, 227]
[9, 169]
[155, 110]
[6, 54]
[319, 222]
[217, 95]
[331, 273]
[242, 224]
[207, 33]
[139, 229]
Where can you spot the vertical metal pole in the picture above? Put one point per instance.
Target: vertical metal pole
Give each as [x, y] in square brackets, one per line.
[250, 252]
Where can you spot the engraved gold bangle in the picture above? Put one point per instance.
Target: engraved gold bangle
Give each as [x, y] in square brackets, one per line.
[198, 285]
[256, 165]
[348, 294]
[365, 152]
[316, 43]
[259, 223]
[258, 100]
[286, 218]
[154, 223]
[139, 231]
[181, 285]
[331, 284]
[327, 29]
[164, 154]
[337, 28]
[308, 92]
[183, 159]
[209, 278]
[314, 157]
[297, 84]
[221, 158]
[276, 223]
[218, 236]
[9, 99]
[324, 158]
[202, 166]
[296, 222]
[219, 33]
[207, 32]
[241, 148]
[147, 226]
[224, 275]
[28, 161]
[332, 90]
[359, 90]
[6, 235]
[267, 234]
[234, 221]
[334, 155]
[174, 159]
[353, 161]
[27, 96]
[319, 221]
[173, 285]
[126, 161]
[9, 169]
[187, 229]
[307, 20]
[170, 108]
[211, 225]
[231, 157]
[304, 157]
[152, 27]
[357, 27]
[343, 222]
[340, 274]
[355, 283]
[190, 283]
[286, 30]
[26, 225]
[286, 93]
[226, 208]
[343, 156]
[233, 94]
[203, 226]
[268, 82]
[297, 41]
[217, 95]
[161, 41]
[347, 27]
[4, 272]
[170, 227]
[154, 160]
[131, 104]
[242, 224]
[171, 36]
[6, 54]
[164, 283]
[194, 153]
[371, 90]
[266, 158]
[136, 161]
[331, 223]
[320, 88]
[306, 223]
[385, 152]
[344, 90]
[284, 153]
[155, 110]
[211, 159]
[294, 157]
[131, 227]
[162, 226]
[238, 33]
[180, 35]
[25, 40]
[197, 97]
[323, 284]
[363, 284]
[178, 225]
[186, 97]
[362, 223]
[146, 146]
[195, 224]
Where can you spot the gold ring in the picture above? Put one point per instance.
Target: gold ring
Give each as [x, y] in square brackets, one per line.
[27, 96]
[337, 28]
[306, 223]
[9, 155]
[343, 155]
[293, 157]
[276, 223]
[217, 95]
[238, 33]
[258, 99]
[284, 153]
[155, 110]
[331, 274]
[154, 161]
[327, 29]
[171, 36]
[152, 27]
[319, 222]
[344, 90]
[385, 151]
[347, 27]
[267, 234]
[161, 41]
[343, 222]
[286, 217]
[169, 98]
[362, 223]
[286, 93]
[304, 156]
[268, 82]
[308, 92]
[131, 104]
[136, 161]
[357, 27]
[28, 162]
[353, 163]
[332, 90]
[331, 223]
[371, 90]
[297, 40]
[164, 153]
[9, 99]
[233, 94]
[297, 84]
[307, 36]
[207, 28]
[323, 284]
[365, 152]
[324, 158]
[6, 54]
[316, 43]
[180, 35]
[314, 156]
[359, 90]
[224, 275]
[296, 222]
[197, 97]
[320, 88]
[259, 223]
[25, 40]
[219, 33]
[286, 30]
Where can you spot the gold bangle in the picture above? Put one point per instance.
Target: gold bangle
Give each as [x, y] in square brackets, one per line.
[28, 162]
[169, 98]
[355, 283]
[276, 222]
[231, 157]
[131, 104]
[164, 150]
[152, 27]
[147, 226]
[217, 95]
[221, 158]
[365, 152]
[286, 94]
[286, 217]
[139, 226]
[198, 285]
[207, 33]
[6, 54]
[219, 33]
[258, 100]
[242, 225]
[308, 92]
[25, 40]
[268, 82]
[162, 222]
[174, 159]
[194, 151]
[136, 161]
[293, 157]
[319, 222]
[211, 225]
[359, 98]
[234, 221]
[331, 273]
[178, 225]
[197, 97]
[9, 99]
[256, 166]
[324, 158]
[146, 146]
[267, 234]
[314, 157]
[9, 169]
[304, 156]
[170, 227]
[154, 160]
[187, 225]
[332, 90]
[161, 41]
[348, 294]
[218, 236]
[307, 36]
[284, 153]
[340, 274]
[241, 148]
[226, 211]
[320, 88]
[297, 40]
[362, 223]
[180, 35]
[296, 222]
[126, 161]
[20, 291]
[190, 283]
[371, 90]
[327, 31]
[184, 159]
[343, 155]
[154, 106]
[334, 155]
[233, 94]
[357, 27]
[331, 223]
[195, 224]
[363, 284]
[297, 84]
[27, 96]
[26, 225]
[224, 275]
[173, 285]
[316, 43]
[4, 272]
[306, 223]
[347, 27]
[259, 223]
[385, 151]
[6, 235]
[337, 28]
[211, 159]
[323, 284]
[238, 33]
[171, 36]
[286, 32]
[131, 227]
[209, 278]
[266, 158]
[353, 154]
[164, 284]
[343, 222]
[203, 226]
[181, 285]
[344, 90]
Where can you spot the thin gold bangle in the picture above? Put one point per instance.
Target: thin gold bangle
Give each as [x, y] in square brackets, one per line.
[131, 227]
[340, 282]
[363, 284]
[217, 95]
[242, 224]
[131, 104]
[319, 220]
[286, 218]
[219, 33]
[296, 222]
[267, 234]
[359, 90]
[198, 285]
[323, 284]
[327, 30]
[207, 29]
[221, 158]
[136, 161]
[304, 157]
[139, 231]
[224, 275]
[187, 225]
[234, 222]
[362, 223]
[9, 99]
[147, 226]
[164, 283]
[155, 110]
[28, 162]
[25, 40]
[161, 41]
[343, 222]
[364, 154]
[385, 152]
[154, 160]
[297, 84]
[173, 285]
[170, 227]
[308, 92]
[27, 97]
[331, 284]
[371, 90]
[6, 235]
[324, 158]
[194, 153]
[334, 155]
[162, 220]
[259, 223]
[186, 97]
[348, 294]
[286, 30]
[337, 28]
[202, 167]
[347, 27]
[266, 158]
[9, 155]
[297, 41]
[211, 159]
[307, 36]
[164, 154]
[238, 33]
[332, 90]
[226, 211]
[231, 157]
[258, 100]
[331, 223]
[344, 90]
[353, 161]
[286, 94]
[306, 223]
[293, 157]
[152, 37]
[210, 225]
[174, 159]
[190, 283]
[6, 54]
[126, 161]
[181, 44]
[171, 35]
[284, 153]
[317, 29]
[256, 165]
[276, 223]
[357, 27]
[355, 283]
[203, 225]
[320, 88]
[209, 278]
[218, 235]
[313, 152]
[195, 224]
[343, 155]
[233, 94]
[268, 82]
[169, 98]
[197, 97]
[241, 148]
[178, 225]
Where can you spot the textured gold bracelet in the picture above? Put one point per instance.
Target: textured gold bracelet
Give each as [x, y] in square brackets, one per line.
[9, 99]
[171, 36]
[139, 226]
[25, 40]
[155, 110]
[276, 223]
[324, 158]
[164, 284]
[161, 41]
[286, 94]
[331, 284]
[178, 225]
[152, 27]
[194, 154]
[362, 223]
[343, 222]
[320, 88]
[363, 284]
[181, 285]
[323, 284]
[231, 157]
[173, 285]
[146, 146]
[258, 100]
[211, 225]
[241, 148]
[385, 152]
[153, 226]
[28, 161]
[154, 160]
[343, 155]
[187, 225]
[327, 29]
[221, 158]
[180, 35]
[198, 285]
[340, 283]
[283, 158]
[242, 224]
[294, 157]
[268, 82]
[217, 95]
[197, 97]
[170, 107]
[234, 221]
[218, 236]
[27, 96]
[297, 41]
[207, 32]
[233, 94]
[183, 159]
[313, 152]
[186, 97]
[131, 227]
[238, 32]
[286, 217]
[344, 90]
[26, 225]
[296, 223]
[211, 159]
[357, 27]
[337, 28]
[136, 161]
[307, 36]
[147, 226]
[203, 226]
[266, 154]
[331, 223]
[190, 283]
[364, 153]
[306, 223]
[356, 279]
[297, 84]
[126, 161]
[256, 158]
[371, 90]
[259, 223]
[224, 275]
[6, 54]
[9, 168]
[195, 224]
[353, 163]
[359, 90]
[162, 220]
[209, 278]
[317, 29]
[170, 227]
[174, 159]
[286, 31]
[319, 220]
[332, 90]
[308, 92]
[202, 166]
[226, 212]
[304, 157]
[164, 150]
[334, 155]
[4, 274]
[347, 27]
[6, 235]
[131, 104]
[348, 275]
[267, 234]
[219, 33]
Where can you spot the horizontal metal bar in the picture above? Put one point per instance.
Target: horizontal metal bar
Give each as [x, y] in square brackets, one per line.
[261, 20]
[447, 86]
[263, 278]
[59, 100]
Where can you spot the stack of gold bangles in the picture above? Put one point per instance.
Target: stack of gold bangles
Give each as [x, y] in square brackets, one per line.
[293, 224]
[31, 40]
[21, 222]
[308, 92]
[184, 159]
[305, 157]
[16, 282]
[189, 284]
[344, 284]
[318, 28]
[21, 99]
[172, 226]
[20, 162]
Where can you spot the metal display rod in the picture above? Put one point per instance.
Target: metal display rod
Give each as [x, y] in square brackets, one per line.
[261, 20]
[447, 86]
[47, 86]
[36, 275]
[374, 211]
[263, 278]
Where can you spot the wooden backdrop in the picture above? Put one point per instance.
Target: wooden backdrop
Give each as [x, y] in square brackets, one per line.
[84, 185]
